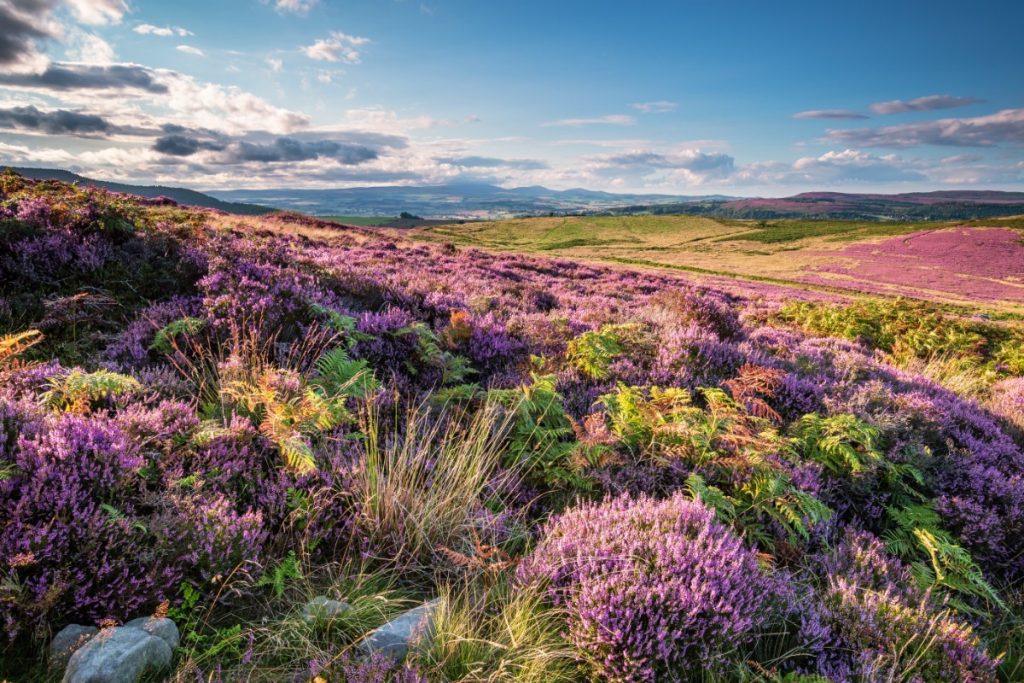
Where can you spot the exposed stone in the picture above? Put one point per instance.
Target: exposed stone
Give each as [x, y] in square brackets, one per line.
[394, 638]
[161, 627]
[322, 608]
[118, 655]
[67, 640]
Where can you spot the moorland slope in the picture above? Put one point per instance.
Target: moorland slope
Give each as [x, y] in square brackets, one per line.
[600, 473]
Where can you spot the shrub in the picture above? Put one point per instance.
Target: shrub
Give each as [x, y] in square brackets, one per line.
[703, 309]
[79, 545]
[913, 330]
[897, 641]
[1007, 401]
[878, 625]
[650, 587]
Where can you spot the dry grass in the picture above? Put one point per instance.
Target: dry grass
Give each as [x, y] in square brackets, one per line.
[497, 634]
[424, 487]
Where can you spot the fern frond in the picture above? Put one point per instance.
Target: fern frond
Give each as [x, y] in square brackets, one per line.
[712, 496]
[844, 444]
[298, 455]
[78, 391]
[163, 341]
[339, 374]
[13, 345]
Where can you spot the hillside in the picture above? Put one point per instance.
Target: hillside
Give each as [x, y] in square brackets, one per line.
[179, 194]
[915, 206]
[946, 262]
[298, 451]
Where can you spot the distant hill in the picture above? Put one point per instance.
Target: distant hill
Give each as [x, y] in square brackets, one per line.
[916, 206]
[482, 201]
[178, 194]
[454, 200]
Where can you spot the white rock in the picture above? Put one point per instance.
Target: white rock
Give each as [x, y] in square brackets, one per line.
[67, 640]
[118, 655]
[161, 627]
[394, 638]
[322, 608]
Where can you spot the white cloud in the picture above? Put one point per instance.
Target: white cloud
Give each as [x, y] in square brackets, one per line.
[659, 107]
[829, 114]
[162, 31]
[609, 120]
[835, 167]
[340, 47]
[98, 12]
[276, 65]
[381, 121]
[89, 48]
[1006, 126]
[294, 6]
[929, 103]
[188, 49]
[19, 154]
[689, 165]
[227, 108]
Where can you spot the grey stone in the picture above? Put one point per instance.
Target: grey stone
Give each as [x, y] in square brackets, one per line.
[394, 638]
[118, 655]
[161, 627]
[322, 608]
[67, 640]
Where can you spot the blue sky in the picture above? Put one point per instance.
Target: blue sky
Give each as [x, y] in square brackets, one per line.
[748, 98]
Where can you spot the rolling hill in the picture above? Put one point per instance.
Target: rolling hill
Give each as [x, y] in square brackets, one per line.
[179, 194]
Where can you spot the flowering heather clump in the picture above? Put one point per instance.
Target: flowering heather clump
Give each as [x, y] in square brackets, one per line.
[376, 669]
[216, 539]
[250, 284]
[77, 544]
[893, 639]
[1008, 401]
[651, 587]
[705, 309]
[876, 624]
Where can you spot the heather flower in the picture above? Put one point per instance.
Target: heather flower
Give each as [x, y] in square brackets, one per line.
[132, 345]
[216, 539]
[1007, 401]
[72, 504]
[375, 669]
[703, 308]
[892, 639]
[651, 587]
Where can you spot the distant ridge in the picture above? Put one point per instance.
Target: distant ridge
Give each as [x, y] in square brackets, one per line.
[908, 206]
[178, 194]
[460, 199]
[940, 205]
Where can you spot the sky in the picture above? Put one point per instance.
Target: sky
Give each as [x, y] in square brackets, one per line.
[687, 97]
